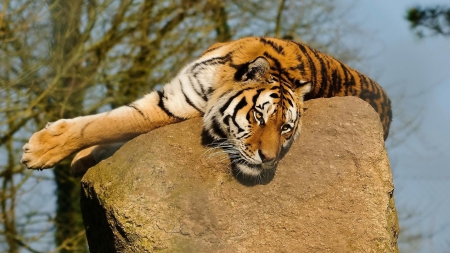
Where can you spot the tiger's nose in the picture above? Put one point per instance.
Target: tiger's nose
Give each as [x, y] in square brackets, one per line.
[266, 158]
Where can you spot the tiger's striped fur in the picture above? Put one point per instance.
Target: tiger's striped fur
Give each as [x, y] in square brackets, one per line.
[250, 93]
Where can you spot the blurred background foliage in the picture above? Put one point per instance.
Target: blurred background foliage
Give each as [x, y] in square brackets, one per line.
[429, 20]
[62, 59]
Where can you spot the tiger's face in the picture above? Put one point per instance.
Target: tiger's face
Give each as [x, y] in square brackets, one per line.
[256, 119]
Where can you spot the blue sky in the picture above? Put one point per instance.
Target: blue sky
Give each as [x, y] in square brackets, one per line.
[416, 74]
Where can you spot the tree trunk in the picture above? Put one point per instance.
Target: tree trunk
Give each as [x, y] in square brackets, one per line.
[66, 15]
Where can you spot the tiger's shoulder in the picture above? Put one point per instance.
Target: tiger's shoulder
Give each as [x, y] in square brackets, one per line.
[298, 63]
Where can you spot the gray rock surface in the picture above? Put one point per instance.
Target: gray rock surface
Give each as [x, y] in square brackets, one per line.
[165, 192]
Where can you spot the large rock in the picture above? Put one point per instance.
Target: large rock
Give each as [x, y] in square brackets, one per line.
[164, 192]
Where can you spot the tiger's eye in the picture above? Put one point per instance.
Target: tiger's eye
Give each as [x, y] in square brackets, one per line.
[286, 128]
[259, 117]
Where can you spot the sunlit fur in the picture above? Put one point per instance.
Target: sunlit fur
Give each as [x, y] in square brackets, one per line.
[249, 91]
[255, 143]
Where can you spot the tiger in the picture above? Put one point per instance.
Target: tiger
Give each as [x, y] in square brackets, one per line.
[250, 93]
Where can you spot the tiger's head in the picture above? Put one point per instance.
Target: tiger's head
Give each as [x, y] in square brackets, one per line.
[255, 116]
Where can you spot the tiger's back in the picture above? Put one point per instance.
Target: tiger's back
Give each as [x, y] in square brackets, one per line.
[298, 63]
[250, 93]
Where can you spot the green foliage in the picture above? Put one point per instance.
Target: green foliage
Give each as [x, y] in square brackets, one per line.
[429, 21]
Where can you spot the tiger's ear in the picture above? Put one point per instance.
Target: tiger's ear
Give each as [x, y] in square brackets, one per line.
[303, 88]
[257, 70]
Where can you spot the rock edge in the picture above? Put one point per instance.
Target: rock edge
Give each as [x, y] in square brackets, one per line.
[164, 192]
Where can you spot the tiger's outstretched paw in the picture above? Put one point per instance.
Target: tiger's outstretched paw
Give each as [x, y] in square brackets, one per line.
[48, 147]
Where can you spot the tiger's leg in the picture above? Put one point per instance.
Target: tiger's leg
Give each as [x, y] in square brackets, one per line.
[64, 137]
[183, 98]
[91, 156]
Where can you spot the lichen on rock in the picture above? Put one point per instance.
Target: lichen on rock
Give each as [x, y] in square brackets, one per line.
[165, 192]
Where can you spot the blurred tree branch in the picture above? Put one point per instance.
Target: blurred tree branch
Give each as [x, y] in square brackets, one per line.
[429, 21]
[278, 18]
[61, 59]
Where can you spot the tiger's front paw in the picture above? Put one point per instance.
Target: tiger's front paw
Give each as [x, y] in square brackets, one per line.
[48, 147]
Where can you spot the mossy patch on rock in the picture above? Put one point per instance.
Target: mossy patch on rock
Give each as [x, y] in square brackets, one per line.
[165, 192]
